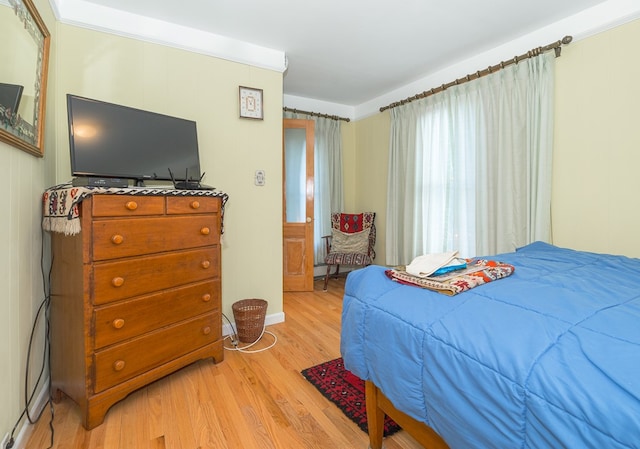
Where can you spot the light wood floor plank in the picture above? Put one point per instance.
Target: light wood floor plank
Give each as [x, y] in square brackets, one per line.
[249, 401]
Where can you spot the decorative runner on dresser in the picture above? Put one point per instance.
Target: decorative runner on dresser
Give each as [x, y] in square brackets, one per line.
[346, 391]
[60, 211]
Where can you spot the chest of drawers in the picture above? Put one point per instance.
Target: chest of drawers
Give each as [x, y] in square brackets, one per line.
[134, 297]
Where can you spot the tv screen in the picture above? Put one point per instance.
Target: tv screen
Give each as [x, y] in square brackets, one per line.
[112, 141]
[10, 95]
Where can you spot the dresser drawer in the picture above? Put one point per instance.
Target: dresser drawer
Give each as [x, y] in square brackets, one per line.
[111, 281]
[126, 205]
[124, 361]
[192, 205]
[130, 318]
[125, 237]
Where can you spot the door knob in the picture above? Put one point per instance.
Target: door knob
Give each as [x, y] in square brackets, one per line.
[308, 219]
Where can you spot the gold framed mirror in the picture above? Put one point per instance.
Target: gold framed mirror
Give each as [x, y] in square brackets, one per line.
[24, 61]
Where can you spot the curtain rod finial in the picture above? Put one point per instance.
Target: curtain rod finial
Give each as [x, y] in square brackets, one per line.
[567, 40]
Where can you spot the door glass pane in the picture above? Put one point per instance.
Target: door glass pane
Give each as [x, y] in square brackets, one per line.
[295, 166]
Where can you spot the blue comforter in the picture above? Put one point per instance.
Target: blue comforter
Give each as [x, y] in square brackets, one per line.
[546, 358]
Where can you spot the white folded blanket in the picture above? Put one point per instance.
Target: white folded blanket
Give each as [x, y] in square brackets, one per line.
[427, 264]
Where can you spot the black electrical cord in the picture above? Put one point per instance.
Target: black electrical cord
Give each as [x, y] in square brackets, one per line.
[46, 359]
[234, 341]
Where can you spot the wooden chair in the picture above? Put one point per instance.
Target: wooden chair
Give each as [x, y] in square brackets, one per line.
[351, 242]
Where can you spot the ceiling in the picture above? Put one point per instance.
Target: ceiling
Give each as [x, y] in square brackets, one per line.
[349, 52]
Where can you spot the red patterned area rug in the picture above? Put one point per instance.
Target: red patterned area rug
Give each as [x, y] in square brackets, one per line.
[345, 390]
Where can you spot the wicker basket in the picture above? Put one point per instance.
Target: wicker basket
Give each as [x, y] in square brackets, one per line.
[249, 315]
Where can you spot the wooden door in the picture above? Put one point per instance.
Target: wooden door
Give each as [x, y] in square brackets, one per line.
[298, 193]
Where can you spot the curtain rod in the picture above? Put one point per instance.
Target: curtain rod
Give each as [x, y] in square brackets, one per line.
[556, 46]
[315, 114]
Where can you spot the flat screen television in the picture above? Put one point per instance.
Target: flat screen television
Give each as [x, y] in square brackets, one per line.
[113, 141]
[10, 96]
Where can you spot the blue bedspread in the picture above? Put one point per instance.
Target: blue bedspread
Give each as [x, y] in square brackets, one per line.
[546, 358]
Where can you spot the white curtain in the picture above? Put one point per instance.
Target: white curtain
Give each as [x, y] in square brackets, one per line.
[470, 167]
[328, 184]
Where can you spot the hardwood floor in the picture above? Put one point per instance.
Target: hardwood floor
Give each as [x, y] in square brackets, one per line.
[249, 401]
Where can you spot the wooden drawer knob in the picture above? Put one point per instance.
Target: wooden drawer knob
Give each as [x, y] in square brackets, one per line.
[131, 205]
[205, 264]
[205, 231]
[118, 323]
[206, 297]
[117, 281]
[118, 365]
[117, 239]
[195, 204]
[206, 330]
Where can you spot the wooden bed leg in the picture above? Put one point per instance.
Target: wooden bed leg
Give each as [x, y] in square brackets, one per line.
[375, 416]
[379, 406]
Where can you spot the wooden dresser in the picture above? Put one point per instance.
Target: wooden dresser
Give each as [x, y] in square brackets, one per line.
[134, 296]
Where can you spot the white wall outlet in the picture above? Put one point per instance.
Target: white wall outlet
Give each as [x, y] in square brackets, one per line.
[260, 178]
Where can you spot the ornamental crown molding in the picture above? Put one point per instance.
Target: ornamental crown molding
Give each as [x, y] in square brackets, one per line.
[109, 20]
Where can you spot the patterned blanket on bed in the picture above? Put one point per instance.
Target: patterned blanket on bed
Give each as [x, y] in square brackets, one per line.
[478, 272]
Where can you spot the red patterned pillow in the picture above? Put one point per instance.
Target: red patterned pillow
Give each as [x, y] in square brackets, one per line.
[351, 223]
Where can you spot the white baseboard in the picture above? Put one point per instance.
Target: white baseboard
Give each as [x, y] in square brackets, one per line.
[274, 318]
[25, 427]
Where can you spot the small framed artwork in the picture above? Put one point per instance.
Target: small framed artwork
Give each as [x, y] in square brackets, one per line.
[251, 103]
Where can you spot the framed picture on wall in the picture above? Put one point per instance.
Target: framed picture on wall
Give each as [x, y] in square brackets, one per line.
[251, 103]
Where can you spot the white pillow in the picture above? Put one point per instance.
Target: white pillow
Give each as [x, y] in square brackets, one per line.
[356, 242]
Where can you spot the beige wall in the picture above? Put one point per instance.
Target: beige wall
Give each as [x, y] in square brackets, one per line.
[365, 161]
[24, 177]
[596, 192]
[165, 80]
[205, 89]
[371, 166]
[23, 182]
[349, 140]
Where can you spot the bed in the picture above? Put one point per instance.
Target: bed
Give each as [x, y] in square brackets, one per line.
[548, 357]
